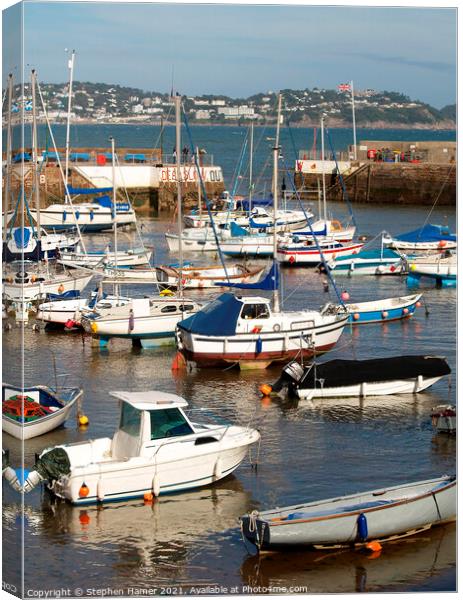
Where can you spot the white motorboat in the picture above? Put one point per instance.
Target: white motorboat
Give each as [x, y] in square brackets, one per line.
[307, 251]
[382, 515]
[157, 449]
[441, 267]
[32, 411]
[248, 245]
[69, 312]
[428, 237]
[383, 261]
[151, 321]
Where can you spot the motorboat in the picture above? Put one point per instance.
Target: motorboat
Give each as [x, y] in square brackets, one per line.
[149, 321]
[123, 258]
[381, 515]
[309, 252]
[68, 312]
[440, 267]
[33, 411]
[382, 261]
[428, 237]
[361, 378]
[23, 243]
[156, 449]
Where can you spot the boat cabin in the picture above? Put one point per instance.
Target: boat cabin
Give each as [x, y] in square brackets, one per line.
[147, 418]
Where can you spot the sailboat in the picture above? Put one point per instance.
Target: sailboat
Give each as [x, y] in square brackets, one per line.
[26, 281]
[302, 248]
[250, 332]
[88, 216]
[149, 321]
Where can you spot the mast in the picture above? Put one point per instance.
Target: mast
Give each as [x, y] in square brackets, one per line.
[200, 210]
[251, 151]
[8, 158]
[34, 155]
[353, 120]
[114, 207]
[178, 149]
[276, 152]
[323, 166]
[68, 122]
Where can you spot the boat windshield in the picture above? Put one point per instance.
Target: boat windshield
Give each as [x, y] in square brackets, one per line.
[168, 423]
[130, 419]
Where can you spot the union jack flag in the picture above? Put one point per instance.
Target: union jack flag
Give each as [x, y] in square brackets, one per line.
[344, 87]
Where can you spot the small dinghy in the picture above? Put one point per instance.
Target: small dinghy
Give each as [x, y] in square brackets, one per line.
[361, 378]
[428, 237]
[156, 450]
[444, 418]
[380, 311]
[381, 515]
[33, 411]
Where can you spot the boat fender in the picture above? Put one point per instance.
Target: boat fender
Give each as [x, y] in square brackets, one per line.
[405, 311]
[64, 215]
[259, 345]
[84, 490]
[385, 314]
[218, 469]
[276, 327]
[100, 490]
[156, 485]
[362, 527]
[356, 316]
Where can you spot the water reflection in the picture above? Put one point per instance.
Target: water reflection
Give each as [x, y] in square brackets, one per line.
[407, 562]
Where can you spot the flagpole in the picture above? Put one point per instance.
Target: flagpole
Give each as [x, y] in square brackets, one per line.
[353, 120]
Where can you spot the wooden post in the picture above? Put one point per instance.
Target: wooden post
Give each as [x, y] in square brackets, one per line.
[367, 199]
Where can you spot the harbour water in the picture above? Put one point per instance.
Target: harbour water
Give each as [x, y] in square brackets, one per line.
[191, 542]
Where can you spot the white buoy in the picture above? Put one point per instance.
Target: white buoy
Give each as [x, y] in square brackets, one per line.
[156, 485]
[218, 469]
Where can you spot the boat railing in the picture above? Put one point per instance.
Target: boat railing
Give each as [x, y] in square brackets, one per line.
[201, 416]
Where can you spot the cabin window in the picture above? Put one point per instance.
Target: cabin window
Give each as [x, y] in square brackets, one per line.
[130, 419]
[168, 423]
[186, 307]
[255, 311]
[169, 309]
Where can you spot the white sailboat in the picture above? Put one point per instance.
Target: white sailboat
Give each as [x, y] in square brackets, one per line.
[248, 331]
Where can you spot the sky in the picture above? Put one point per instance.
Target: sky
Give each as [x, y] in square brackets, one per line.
[239, 50]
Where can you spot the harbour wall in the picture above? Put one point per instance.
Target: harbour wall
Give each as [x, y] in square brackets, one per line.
[381, 182]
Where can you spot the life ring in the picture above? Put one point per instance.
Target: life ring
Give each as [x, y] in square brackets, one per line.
[276, 327]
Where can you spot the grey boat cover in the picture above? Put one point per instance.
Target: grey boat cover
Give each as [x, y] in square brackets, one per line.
[340, 373]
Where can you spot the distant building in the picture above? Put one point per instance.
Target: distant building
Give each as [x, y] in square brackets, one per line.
[202, 115]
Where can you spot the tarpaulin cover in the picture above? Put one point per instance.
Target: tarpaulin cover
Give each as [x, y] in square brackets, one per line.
[370, 255]
[88, 191]
[217, 318]
[79, 156]
[247, 205]
[337, 373]
[237, 231]
[428, 233]
[53, 464]
[269, 282]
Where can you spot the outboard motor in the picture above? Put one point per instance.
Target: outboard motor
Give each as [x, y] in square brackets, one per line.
[290, 377]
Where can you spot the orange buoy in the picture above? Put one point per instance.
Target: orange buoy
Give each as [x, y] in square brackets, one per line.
[405, 311]
[265, 389]
[418, 304]
[84, 490]
[442, 244]
[374, 547]
[179, 362]
[385, 314]
[356, 316]
[148, 497]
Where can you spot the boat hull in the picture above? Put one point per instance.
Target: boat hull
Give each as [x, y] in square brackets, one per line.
[121, 480]
[299, 256]
[382, 311]
[388, 513]
[32, 291]
[261, 348]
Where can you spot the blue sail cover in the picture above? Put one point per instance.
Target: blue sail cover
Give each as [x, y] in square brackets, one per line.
[237, 231]
[88, 191]
[269, 282]
[246, 205]
[217, 318]
[428, 233]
